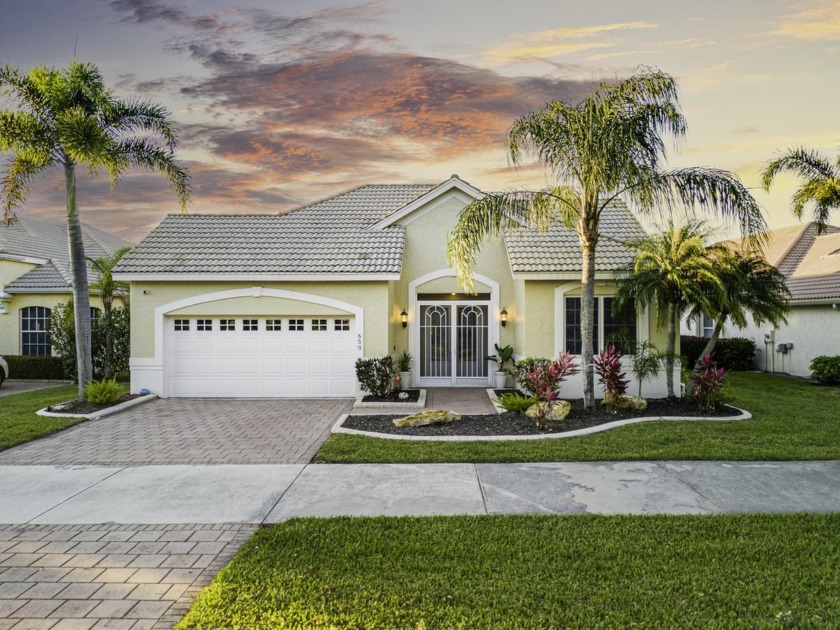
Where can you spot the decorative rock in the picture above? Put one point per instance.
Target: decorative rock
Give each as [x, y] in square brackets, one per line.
[424, 418]
[625, 402]
[556, 410]
[403, 396]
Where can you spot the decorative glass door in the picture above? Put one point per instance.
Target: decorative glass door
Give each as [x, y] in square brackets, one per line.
[453, 344]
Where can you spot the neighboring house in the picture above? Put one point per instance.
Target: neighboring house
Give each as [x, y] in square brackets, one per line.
[283, 305]
[35, 277]
[811, 266]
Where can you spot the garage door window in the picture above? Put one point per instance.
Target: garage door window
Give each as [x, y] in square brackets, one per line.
[319, 324]
[342, 324]
[295, 324]
[182, 324]
[204, 324]
[227, 324]
[274, 324]
[250, 324]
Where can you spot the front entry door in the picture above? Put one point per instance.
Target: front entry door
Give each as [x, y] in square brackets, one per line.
[453, 344]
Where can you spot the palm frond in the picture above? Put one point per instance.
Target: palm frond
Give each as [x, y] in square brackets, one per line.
[147, 154]
[802, 162]
[21, 168]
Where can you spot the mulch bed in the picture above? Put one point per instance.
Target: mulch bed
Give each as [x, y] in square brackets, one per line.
[517, 424]
[413, 397]
[80, 407]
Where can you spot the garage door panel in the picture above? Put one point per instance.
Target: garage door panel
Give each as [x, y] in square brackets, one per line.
[275, 360]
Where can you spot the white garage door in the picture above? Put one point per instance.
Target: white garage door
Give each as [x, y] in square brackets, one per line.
[255, 357]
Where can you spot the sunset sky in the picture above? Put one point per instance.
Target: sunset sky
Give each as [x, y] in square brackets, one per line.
[282, 103]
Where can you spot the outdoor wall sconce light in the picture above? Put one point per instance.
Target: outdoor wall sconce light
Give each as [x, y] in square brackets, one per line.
[404, 318]
[503, 316]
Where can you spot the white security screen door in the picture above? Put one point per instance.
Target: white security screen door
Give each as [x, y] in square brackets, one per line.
[453, 344]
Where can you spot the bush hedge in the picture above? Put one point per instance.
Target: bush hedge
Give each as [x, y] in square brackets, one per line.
[731, 353]
[826, 370]
[35, 367]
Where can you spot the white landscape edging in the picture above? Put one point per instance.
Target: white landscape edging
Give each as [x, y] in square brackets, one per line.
[102, 412]
[338, 428]
[421, 402]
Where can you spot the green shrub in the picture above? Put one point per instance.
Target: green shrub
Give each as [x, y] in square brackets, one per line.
[515, 402]
[731, 353]
[376, 376]
[47, 368]
[103, 392]
[826, 370]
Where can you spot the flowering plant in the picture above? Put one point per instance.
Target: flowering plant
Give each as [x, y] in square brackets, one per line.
[607, 366]
[706, 384]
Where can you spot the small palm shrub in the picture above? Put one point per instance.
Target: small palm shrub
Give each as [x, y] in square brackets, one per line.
[826, 370]
[376, 376]
[607, 364]
[404, 361]
[104, 392]
[707, 383]
[515, 402]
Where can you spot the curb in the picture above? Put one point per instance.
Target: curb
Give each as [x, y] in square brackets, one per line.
[99, 414]
[338, 428]
[421, 402]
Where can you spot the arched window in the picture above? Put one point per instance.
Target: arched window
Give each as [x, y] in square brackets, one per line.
[35, 331]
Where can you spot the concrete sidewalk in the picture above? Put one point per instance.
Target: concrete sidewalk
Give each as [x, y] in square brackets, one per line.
[270, 493]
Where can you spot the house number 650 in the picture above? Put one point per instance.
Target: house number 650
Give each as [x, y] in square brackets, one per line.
[359, 341]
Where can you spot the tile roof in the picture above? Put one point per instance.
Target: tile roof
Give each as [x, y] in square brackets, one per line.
[329, 236]
[558, 249]
[46, 240]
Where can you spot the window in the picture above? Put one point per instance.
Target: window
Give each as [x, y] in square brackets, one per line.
[35, 331]
[620, 328]
[606, 325]
[249, 324]
[274, 324]
[342, 324]
[708, 326]
[182, 324]
[227, 324]
[319, 324]
[295, 324]
[94, 317]
[204, 324]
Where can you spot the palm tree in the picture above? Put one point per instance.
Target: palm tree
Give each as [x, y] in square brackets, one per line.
[108, 289]
[66, 117]
[821, 186]
[749, 286]
[673, 272]
[608, 146]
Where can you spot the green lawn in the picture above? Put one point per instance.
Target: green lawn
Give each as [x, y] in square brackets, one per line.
[746, 571]
[792, 420]
[18, 422]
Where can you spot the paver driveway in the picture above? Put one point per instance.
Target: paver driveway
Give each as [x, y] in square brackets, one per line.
[192, 431]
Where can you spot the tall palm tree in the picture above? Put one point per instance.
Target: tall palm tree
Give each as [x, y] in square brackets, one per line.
[673, 272]
[108, 288]
[750, 287]
[821, 186]
[608, 146]
[68, 117]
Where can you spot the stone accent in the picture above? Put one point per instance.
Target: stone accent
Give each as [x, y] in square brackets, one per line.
[425, 418]
[557, 410]
[624, 402]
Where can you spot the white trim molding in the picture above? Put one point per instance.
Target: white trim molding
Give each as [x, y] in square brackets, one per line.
[149, 372]
[453, 183]
[250, 277]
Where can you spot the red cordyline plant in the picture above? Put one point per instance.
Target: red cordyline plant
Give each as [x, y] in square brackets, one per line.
[706, 384]
[607, 366]
[544, 378]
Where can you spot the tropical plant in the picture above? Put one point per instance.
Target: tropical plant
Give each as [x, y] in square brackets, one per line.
[749, 288]
[108, 288]
[503, 356]
[672, 271]
[515, 402]
[646, 358]
[821, 186]
[404, 361]
[706, 384]
[104, 392]
[542, 377]
[825, 370]
[68, 117]
[376, 376]
[607, 365]
[608, 146]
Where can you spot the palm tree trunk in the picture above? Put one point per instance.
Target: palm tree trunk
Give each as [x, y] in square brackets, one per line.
[587, 318]
[78, 268]
[109, 341]
[671, 350]
[710, 345]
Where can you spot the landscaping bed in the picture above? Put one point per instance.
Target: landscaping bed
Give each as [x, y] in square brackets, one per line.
[518, 424]
[82, 407]
[413, 397]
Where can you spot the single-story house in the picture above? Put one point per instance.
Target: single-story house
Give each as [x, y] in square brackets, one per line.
[35, 276]
[283, 305]
[811, 266]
